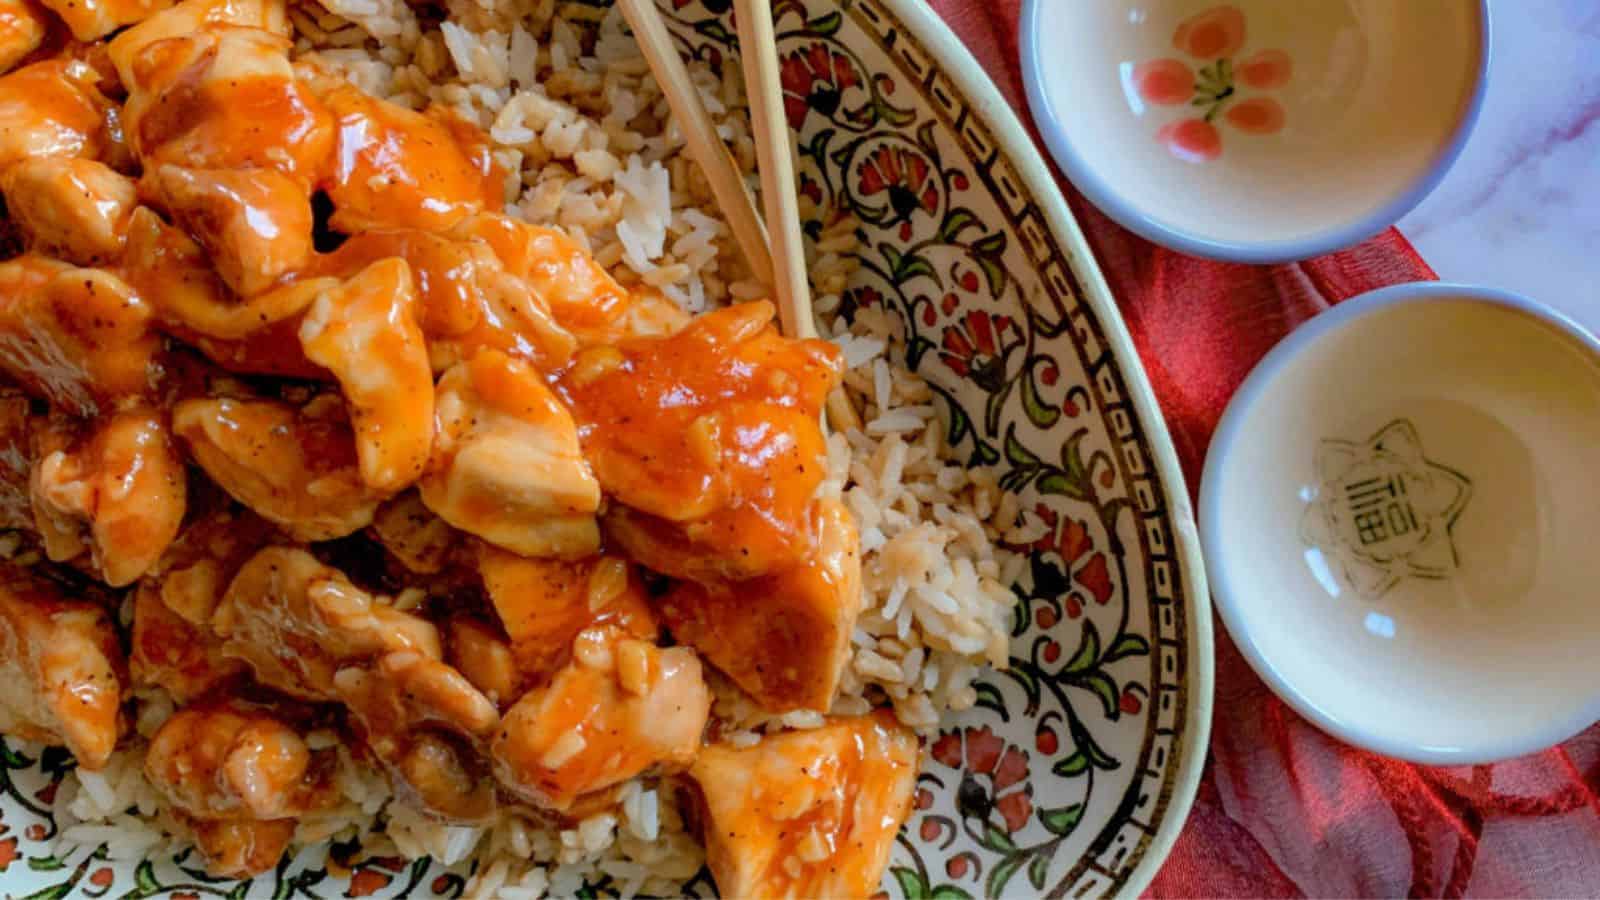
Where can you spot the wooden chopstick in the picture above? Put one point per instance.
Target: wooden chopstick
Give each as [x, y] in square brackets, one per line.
[758, 50]
[700, 136]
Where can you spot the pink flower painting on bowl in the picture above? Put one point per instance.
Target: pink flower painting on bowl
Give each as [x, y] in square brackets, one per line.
[1215, 83]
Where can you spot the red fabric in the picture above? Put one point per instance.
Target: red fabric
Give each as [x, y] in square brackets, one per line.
[1285, 810]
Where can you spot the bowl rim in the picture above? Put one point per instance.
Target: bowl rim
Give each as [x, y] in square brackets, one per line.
[1229, 600]
[1265, 252]
[993, 108]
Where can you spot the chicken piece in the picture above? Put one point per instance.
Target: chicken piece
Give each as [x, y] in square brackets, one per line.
[226, 97]
[61, 669]
[17, 457]
[120, 495]
[420, 540]
[623, 707]
[174, 273]
[397, 168]
[77, 209]
[545, 603]
[713, 435]
[506, 464]
[807, 813]
[239, 849]
[23, 28]
[578, 291]
[173, 645]
[297, 622]
[255, 224]
[366, 333]
[173, 652]
[52, 108]
[784, 637]
[189, 17]
[230, 761]
[295, 468]
[90, 20]
[79, 338]
[420, 717]
[466, 301]
[481, 653]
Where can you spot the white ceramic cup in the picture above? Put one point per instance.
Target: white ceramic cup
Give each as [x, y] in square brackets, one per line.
[1255, 130]
[1399, 516]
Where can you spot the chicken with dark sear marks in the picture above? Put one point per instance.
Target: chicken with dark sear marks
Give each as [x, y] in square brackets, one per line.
[297, 622]
[620, 708]
[79, 338]
[372, 460]
[807, 813]
[62, 674]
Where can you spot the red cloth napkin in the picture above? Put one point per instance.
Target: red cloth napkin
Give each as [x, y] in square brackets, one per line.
[1283, 809]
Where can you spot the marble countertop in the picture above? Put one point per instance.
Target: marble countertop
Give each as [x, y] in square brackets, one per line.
[1521, 208]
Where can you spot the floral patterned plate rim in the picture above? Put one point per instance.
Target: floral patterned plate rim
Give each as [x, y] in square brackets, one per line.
[1073, 774]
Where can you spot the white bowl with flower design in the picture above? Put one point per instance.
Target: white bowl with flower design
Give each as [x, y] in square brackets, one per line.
[1256, 130]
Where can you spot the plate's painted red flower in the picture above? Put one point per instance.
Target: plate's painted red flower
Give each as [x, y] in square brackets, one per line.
[815, 77]
[1214, 37]
[366, 882]
[1089, 569]
[8, 853]
[983, 756]
[905, 175]
[974, 347]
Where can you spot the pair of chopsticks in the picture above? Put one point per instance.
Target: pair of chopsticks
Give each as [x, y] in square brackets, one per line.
[774, 249]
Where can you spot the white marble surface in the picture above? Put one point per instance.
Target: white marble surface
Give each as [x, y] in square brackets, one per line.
[1521, 208]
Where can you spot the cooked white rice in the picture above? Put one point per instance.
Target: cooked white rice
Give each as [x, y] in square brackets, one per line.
[594, 151]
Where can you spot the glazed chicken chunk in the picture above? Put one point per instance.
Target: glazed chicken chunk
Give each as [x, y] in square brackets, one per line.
[225, 98]
[545, 603]
[119, 494]
[686, 432]
[238, 776]
[506, 464]
[622, 707]
[293, 467]
[255, 224]
[77, 209]
[785, 637]
[79, 338]
[807, 813]
[52, 108]
[61, 669]
[297, 623]
[365, 331]
[92, 19]
[189, 17]
[23, 27]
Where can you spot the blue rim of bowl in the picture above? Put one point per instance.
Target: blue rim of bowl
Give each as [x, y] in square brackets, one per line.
[1227, 598]
[1151, 228]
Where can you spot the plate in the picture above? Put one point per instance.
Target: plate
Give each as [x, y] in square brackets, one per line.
[1074, 773]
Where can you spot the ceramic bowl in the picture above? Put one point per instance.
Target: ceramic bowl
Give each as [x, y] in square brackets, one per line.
[1255, 131]
[1073, 774]
[1398, 515]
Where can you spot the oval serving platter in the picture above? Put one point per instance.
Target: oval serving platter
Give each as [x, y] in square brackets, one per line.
[1072, 776]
